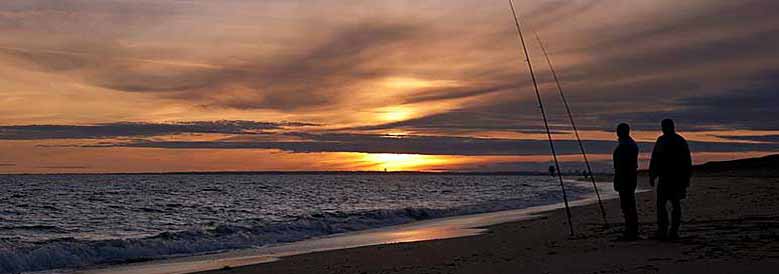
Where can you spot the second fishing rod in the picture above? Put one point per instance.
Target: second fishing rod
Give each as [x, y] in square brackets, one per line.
[543, 115]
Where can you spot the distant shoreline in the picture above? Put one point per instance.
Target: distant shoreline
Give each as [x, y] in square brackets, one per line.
[466, 173]
[748, 167]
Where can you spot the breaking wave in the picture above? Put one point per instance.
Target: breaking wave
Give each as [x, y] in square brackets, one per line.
[73, 253]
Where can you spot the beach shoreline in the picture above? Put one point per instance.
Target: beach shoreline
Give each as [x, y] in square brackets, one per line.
[110, 221]
[426, 230]
[730, 226]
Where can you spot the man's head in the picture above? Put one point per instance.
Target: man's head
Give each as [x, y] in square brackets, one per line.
[668, 126]
[623, 130]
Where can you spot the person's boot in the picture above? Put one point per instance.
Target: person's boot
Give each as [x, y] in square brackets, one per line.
[629, 237]
[631, 233]
[661, 234]
[674, 234]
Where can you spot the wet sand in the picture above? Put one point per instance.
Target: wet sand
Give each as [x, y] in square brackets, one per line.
[731, 225]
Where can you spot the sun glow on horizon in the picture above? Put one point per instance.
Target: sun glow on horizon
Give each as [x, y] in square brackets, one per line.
[404, 162]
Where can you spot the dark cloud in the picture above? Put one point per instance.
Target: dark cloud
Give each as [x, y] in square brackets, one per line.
[714, 79]
[428, 145]
[703, 73]
[183, 82]
[755, 138]
[54, 61]
[127, 129]
[511, 114]
[747, 109]
[565, 166]
[73, 6]
[748, 15]
[504, 83]
[685, 60]
[475, 119]
[554, 12]
[85, 18]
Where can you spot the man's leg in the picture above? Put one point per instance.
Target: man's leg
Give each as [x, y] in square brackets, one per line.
[676, 218]
[662, 215]
[624, 203]
[632, 221]
[628, 203]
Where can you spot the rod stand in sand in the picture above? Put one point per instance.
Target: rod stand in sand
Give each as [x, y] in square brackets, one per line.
[575, 129]
[543, 115]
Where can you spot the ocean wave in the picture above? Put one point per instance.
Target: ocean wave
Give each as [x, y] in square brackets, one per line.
[75, 253]
[30, 227]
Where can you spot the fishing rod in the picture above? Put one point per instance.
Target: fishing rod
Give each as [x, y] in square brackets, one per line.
[573, 126]
[543, 114]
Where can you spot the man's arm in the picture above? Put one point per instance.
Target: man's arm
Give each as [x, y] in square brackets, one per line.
[653, 164]
[617, 163]
[687, 159]
[634, 157]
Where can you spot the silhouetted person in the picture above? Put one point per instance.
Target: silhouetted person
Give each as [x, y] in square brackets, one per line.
[552, 171]
[625, 179]
[672, 164]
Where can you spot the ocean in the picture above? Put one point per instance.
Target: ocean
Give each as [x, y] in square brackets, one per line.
[74, 221]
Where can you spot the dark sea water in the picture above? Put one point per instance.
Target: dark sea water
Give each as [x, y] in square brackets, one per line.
[71, 221]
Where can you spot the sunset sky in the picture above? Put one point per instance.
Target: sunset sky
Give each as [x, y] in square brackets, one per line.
[196, 85]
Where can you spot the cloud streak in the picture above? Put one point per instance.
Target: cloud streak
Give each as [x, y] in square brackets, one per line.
[428, 145]
[318, 76]
[774, 139]
[128, 129]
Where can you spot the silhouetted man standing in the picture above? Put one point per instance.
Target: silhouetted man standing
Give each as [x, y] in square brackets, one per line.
[625, 179]
[672, 164]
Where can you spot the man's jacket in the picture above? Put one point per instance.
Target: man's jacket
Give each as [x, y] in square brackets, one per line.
[671, 161]
[625, 165]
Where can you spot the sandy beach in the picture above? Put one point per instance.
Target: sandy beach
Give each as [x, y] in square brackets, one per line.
[731, 225]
